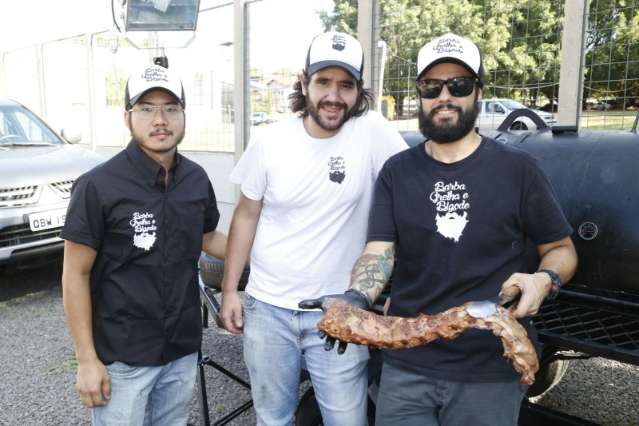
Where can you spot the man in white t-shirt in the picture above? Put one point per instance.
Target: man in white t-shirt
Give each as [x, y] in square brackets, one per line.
[306, 188]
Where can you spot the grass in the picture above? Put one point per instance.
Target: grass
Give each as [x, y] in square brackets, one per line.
[620, 120]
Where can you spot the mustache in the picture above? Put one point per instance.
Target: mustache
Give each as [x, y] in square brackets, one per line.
[436, 109]
[161, 132]
[330, 104]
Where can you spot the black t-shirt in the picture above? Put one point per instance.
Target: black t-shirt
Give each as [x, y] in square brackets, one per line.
[144, 285]
[460, 231]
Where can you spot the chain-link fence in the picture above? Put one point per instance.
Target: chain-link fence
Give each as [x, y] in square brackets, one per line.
[521, 42]
[78, 83]
[611, 68]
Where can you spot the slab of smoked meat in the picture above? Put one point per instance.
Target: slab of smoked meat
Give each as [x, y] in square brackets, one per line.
[347, 323]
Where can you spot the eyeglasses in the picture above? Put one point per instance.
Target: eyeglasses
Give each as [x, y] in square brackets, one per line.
[147, 112]
[459, 87]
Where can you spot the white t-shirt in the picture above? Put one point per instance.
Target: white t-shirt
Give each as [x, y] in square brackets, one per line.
[316, 196]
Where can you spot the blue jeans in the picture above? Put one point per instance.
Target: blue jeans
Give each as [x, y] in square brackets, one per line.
[163, 393]
[277, 343]
[408, 398]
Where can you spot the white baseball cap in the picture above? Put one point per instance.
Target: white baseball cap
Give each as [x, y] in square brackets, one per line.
[152, 77]
[335, 49]
[451, 48]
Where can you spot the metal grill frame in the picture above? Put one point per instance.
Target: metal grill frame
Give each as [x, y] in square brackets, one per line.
[593, 321]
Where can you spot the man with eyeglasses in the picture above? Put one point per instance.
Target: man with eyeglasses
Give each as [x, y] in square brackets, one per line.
[134, 231]
[451, 219]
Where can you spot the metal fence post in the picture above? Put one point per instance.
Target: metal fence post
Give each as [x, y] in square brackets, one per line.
[3, 73]
[241, 80]
[91, 90]
[368, 34]
[572, 61]
[42, 85]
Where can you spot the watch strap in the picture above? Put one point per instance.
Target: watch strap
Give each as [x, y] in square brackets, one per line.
[555, 281]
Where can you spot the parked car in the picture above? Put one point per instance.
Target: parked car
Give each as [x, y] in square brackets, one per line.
[594, 105]
[494, 111]
[258, 118]
[37, 169]
[550, 107]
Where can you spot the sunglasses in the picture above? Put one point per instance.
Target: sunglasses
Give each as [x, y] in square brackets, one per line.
[459, 87]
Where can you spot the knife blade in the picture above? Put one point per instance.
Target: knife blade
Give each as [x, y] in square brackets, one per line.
[486, 308]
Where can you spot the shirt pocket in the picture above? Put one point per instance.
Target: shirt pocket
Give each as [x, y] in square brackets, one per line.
[184, 230]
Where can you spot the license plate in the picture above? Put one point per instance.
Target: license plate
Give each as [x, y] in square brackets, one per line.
[47, 220]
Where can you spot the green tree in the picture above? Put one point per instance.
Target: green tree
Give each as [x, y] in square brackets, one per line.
[519, 40]
[612, 53]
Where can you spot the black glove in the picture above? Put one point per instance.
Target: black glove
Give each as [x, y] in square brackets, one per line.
[351, 296]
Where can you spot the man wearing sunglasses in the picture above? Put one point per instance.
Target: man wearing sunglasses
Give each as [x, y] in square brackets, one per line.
[451, 219]
[134, 231]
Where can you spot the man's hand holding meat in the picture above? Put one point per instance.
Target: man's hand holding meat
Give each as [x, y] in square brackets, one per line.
[537, 287]
[369, 276]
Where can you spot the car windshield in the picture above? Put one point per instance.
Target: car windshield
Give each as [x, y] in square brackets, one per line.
[510, 104]
[19, 126]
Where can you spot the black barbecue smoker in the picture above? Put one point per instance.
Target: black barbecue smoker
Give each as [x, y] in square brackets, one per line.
[595, 175]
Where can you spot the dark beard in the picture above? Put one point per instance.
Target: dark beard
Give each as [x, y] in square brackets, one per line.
[314, 113]
[448, 132]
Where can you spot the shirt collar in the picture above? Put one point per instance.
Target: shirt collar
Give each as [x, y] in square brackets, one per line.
[148, 167]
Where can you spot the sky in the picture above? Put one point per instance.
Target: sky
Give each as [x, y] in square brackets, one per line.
[26, 22]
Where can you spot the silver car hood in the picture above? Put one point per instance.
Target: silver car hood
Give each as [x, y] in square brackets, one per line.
[31, 165]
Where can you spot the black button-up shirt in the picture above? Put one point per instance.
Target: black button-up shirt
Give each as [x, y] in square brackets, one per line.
[148, 236]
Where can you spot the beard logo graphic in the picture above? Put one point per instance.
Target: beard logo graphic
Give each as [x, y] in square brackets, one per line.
[451, 225]
[339, 42]
[144, 241]
[144, 230]
[336, 169]
[452, 202]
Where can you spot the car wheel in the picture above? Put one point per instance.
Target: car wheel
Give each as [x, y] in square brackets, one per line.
[212, 271]
[549, 374]
[518, 125]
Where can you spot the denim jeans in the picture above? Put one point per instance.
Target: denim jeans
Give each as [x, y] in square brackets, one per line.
[277, 344]
[408, 398]
[157, 396]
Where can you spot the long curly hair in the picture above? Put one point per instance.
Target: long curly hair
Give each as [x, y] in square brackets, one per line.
[297, 100]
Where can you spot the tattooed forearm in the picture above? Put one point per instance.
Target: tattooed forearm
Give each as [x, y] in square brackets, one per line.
[371, 273]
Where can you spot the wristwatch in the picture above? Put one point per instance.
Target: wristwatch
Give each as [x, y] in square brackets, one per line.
[555, 283]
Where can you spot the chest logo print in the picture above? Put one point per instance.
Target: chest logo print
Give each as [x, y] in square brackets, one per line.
[144, 230]
[451, 205]
[336, 169]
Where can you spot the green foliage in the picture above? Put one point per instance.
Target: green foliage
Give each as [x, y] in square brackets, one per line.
[519, 40]
[114, 86]
[612, 53]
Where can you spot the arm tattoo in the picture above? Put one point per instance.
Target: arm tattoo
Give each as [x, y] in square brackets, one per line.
[371, 273]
